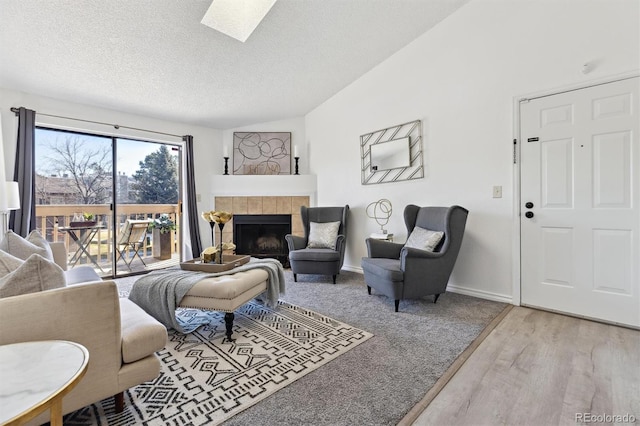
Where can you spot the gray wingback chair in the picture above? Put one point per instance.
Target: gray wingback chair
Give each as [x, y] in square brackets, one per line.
[401, 272]
[320, 261]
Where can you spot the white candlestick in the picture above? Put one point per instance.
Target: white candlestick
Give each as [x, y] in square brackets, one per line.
[295, 150]
[225, 151]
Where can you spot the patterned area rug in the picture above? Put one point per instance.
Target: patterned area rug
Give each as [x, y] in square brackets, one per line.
[206, 381]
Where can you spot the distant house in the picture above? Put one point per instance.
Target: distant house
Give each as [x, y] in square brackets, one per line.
[56, 190]
[51, 190]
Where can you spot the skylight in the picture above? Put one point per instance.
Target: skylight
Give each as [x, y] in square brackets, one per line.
[236, 18]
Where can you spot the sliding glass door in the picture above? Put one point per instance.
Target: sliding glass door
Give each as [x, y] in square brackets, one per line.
[113, 202]
[147, 204]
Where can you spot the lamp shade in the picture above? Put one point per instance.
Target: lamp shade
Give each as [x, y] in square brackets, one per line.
[12, 195]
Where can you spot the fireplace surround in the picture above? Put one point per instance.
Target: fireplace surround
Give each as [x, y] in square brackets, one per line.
[252, 209]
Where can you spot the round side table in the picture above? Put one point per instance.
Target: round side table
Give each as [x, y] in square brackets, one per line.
[36, 376]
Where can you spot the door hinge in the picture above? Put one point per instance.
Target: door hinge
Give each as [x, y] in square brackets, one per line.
[515, 142]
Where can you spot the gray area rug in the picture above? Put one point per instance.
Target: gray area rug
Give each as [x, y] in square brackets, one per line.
[380, 380]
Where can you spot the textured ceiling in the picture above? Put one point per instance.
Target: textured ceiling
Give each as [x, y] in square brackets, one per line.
[155, 58]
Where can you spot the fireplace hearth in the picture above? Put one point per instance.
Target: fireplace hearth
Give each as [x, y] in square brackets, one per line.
[262, 235]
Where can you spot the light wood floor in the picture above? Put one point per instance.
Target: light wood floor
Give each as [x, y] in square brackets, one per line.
[541, 368]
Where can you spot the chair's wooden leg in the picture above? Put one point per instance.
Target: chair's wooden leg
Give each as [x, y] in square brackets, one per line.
[334, 278]
[119, 402]
[435, 299]
[368, 289]
[295, 278]
[397, 303]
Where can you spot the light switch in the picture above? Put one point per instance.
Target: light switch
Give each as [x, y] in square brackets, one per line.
[198, 197]
[497, 192]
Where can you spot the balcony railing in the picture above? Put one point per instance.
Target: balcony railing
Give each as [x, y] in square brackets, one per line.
[51, 218]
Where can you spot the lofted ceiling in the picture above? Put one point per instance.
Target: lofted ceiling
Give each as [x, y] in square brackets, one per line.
[154, 57]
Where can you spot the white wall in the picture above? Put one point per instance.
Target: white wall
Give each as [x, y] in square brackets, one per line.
[269, 185]
[207, 142]
[461, 78]
[2, 162]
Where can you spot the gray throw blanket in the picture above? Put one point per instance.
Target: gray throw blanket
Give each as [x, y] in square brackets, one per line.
[159, 293]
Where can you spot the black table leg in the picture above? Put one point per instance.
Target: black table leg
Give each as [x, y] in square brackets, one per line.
[228, 321]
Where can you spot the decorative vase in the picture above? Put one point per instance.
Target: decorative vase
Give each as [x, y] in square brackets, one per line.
[213, 242]
[221, 226]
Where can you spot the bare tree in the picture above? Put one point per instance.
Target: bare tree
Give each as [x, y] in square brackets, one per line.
[87, 169]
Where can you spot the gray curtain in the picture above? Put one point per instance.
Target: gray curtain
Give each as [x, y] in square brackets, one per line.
[192, 207]
[24, 220]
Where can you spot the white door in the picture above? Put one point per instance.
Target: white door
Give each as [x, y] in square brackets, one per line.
[580, 161]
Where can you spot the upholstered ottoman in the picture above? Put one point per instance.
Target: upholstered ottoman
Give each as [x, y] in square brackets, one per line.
[226, 293]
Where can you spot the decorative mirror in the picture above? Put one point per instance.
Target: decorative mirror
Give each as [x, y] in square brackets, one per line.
[392, 154]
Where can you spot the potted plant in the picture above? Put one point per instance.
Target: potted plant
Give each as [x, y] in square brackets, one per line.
[83, 219]
[162, 228]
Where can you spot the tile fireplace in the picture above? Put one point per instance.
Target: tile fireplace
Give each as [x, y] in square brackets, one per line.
[263, 222]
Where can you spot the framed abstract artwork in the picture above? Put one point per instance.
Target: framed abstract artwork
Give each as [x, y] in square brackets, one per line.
[262, 153]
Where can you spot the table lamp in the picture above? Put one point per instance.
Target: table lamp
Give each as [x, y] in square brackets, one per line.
[9, 200]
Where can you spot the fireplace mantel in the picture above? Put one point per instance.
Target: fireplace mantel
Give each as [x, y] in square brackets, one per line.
[266, 185]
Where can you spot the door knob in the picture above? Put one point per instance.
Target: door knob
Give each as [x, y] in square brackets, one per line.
[528, 215]
[529, 205]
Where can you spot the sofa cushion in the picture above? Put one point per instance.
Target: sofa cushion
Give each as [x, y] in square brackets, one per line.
[323, 234]
[22, 248]
[81, 274]
[142, 335]
[8, 263]
[35, 274]
[387, 269]
[315, 255]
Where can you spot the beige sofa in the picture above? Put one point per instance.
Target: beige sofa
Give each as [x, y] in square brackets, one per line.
[121, 338]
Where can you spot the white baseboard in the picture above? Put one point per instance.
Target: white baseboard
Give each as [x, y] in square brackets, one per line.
[496, 297]
[353, 269]
[481, 294]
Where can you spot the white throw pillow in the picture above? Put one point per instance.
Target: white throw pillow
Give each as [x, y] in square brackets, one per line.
[34, 275]
[424, 239]
[323, 234]
[23, 248]
[8, 263]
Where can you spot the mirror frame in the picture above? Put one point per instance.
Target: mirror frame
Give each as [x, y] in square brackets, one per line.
[412, 130]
